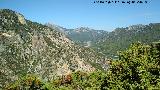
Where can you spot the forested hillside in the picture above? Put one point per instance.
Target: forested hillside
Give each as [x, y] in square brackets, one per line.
[121, 38]
[109, 43]
[138, 68]
[34, 56]
[83, 36]
[28, 47]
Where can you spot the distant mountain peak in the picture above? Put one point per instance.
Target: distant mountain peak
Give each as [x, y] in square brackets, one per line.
[138, 26]
[82, 29]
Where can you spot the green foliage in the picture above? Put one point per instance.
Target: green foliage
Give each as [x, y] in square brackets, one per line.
[49, 42]
[121, 38]
[79, 80]
[137, 69]
[96, 65]
[29, 82]
[28, 47]
[83, 35]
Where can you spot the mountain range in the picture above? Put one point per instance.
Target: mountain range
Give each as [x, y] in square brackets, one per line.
[119, 39]
[50, 50]
[28, 47]
[83, 36]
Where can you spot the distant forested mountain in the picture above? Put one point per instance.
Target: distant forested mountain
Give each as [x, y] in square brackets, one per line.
[121, 38]
[83, 36]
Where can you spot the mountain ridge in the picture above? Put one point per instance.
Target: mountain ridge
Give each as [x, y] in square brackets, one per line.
[119, 39]
[31, 48]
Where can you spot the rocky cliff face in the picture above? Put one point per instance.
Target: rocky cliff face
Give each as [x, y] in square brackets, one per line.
[30, 47]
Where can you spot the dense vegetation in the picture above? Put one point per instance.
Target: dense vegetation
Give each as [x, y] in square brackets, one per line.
[138, 68]
[121, 38]
[36, 57]
[83, 36]
[28, 47]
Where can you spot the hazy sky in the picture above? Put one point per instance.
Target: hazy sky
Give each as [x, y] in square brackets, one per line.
[77, 13]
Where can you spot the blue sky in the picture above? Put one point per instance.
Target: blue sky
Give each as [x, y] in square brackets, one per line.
[77, 13]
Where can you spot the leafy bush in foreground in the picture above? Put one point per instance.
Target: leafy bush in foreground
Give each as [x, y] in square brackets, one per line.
[138, 68]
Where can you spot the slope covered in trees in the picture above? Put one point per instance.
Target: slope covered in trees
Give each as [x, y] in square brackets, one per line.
[28, 47]
[83, 36]
[138, 68]
[121, 38]
[110, 42]
[36, 57]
